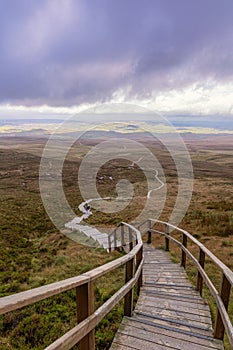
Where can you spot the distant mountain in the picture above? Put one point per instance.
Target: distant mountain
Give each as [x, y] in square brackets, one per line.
[32, 132]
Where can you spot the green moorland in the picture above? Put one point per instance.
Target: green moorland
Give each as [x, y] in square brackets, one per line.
[35, 253]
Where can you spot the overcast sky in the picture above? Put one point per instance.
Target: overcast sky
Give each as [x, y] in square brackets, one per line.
[170, 55]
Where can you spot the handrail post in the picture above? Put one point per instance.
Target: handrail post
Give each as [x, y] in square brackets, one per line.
[138, 261]
[149, 232]
[109, 244]
[183, 257]
[199, 276]
[128, 303]
[130, 239]
[85, 307]
[122, 235]
[115, 238]
[167, 231]
[225, 296]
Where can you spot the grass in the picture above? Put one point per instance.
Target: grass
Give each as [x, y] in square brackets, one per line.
[33, 253]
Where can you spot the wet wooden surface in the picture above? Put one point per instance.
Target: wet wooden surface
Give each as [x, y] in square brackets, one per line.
[170, 314]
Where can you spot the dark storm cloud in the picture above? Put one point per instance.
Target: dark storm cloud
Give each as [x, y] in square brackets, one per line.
[62, 52]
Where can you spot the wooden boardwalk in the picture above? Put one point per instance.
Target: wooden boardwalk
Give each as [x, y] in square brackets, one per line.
[169, 313]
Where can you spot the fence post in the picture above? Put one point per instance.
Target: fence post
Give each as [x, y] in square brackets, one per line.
[167, 231]
[128, 303]
[225, 296]
[85, 307]
[138, 261]
[183, 257]
[109, 244]
[149, 232]
[199, 276]
[130, 239]
[115, 238]
[122, 235]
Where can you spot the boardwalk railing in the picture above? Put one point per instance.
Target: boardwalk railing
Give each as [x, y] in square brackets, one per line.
[123, 237]
[87, 317]
[223, 323]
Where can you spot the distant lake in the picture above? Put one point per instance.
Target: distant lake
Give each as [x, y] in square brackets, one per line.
[215, 122]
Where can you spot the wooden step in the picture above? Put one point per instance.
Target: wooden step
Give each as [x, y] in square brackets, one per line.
[135, 333]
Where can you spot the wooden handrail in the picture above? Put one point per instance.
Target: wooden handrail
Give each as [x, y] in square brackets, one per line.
[219, 263]
[68, 340]
[88, 318]
[16, 301]
[223, 322]
[134, 236]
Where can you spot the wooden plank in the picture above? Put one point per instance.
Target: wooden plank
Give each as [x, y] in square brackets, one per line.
[179, 299]
[187, 288]
[175, 313]
[169, 304]
[171, 339]
[189, 292]
[116, 346]
[173, 328]
[143, 341]
[181, 317]
[174, 275]
[138, 344]
[133, 326]
[165, 274]
[162, 322]
[170, 285]
[168, 282]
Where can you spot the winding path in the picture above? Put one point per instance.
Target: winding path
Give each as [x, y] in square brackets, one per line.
[92, 233]
[156, 176]
[157, 188]
[99, 237]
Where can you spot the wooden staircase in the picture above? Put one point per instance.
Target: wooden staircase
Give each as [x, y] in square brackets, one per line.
[170, 314]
